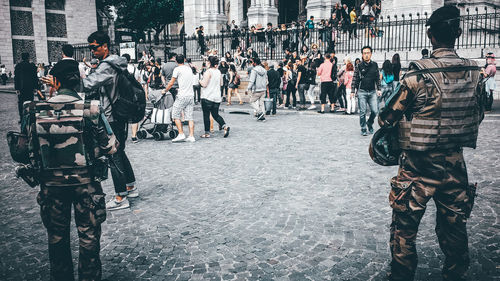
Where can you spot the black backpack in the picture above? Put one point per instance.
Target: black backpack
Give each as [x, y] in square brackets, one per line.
[333, 75]
[130, 99]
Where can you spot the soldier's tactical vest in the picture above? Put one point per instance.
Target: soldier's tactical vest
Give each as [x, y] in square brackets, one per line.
[448, 114]
[62, 130]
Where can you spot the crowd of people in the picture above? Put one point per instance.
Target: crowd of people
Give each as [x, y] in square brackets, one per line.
[70, 177]
[293, 36]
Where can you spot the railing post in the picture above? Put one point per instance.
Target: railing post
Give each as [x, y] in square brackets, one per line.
[222, 43]
[411, 30]
[485, 25]
[183, 41]
[388, 32]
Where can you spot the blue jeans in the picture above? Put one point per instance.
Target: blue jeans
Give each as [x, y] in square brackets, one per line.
[365, 98]
[273, 94]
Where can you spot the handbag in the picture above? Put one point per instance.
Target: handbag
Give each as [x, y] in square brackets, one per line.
[161, 113]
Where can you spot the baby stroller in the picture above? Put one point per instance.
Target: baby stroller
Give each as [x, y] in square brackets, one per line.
[158, 122]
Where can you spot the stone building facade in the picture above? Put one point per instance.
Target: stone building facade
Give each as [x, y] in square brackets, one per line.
[41, 27]
[214, 14]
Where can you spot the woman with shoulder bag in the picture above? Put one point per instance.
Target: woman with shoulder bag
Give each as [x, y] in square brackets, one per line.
[386, 81]
[234, 83]
[211, 97]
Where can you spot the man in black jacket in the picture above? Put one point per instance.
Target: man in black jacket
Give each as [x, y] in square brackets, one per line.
[25, 82]
[366, 86]
[273, 88]
[67, 66]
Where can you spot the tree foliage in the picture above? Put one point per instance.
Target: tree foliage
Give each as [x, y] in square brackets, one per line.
[140, 15]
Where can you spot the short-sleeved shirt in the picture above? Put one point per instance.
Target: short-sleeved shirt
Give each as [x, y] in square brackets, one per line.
[353, 16]
[184, 76]
[303, 78]
[491, 70]
[167, 70]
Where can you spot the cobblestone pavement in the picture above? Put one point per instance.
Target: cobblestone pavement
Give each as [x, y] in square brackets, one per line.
[294, 198]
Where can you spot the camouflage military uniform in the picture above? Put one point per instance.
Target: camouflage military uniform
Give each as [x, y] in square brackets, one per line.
[435, 122]
[71, 184]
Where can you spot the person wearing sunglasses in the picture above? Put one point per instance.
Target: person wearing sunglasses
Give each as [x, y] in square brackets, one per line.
[103, 80]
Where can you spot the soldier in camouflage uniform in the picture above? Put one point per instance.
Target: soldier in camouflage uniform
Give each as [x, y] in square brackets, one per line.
[438, 113]
[67, 136]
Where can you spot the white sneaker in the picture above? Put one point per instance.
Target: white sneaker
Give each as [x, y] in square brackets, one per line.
[114, 205]
[312, 107]
[179, 138]
[133, 193]
[190, 139]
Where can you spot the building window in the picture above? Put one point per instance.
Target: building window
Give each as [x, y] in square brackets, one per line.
[20, 3]
[55, 48]
[21, 23]
[54, 4]
[56, 25]
[23, 46]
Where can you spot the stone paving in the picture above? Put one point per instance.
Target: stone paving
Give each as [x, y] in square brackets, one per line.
[294, 198]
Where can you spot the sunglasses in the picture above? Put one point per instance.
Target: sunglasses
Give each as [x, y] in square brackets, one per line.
[94, 47]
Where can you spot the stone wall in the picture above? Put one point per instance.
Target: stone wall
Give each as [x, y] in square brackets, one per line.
[40, 27]
[81, 20]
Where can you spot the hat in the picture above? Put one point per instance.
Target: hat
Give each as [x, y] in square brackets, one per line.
[94, 61]
[490, 56]
[447, 13]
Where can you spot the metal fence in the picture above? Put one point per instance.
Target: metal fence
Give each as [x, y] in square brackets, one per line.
[391, 33]
[396, 33]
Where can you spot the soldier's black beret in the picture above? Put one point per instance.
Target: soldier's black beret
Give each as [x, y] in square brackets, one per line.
[448, 13]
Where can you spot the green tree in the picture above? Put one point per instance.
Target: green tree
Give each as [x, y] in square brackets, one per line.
[140, 15]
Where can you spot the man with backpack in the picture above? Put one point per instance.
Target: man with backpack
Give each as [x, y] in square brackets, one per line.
[104, 79]
[69, 169]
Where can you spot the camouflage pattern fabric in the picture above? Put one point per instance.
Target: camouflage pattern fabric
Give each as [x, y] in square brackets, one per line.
[90, 211]
[66, 135]
[441, 176]
[431, 171]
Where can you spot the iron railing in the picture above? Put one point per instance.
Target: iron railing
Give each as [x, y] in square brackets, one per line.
[391, 33]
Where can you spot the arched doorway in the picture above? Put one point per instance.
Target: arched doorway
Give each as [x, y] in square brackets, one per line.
[291, 10]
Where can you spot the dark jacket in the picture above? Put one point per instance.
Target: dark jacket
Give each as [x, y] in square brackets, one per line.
[274, 79]
[366, 77]
[67, 73]
[25, 79]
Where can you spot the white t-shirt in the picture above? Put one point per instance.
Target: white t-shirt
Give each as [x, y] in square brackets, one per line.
[184, 76]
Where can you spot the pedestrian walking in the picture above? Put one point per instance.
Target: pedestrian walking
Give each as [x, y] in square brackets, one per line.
[291, 88]
[432, 136]
[69, 174]
[211, 97]
[3, 74]
[234, 83]
[273, 87]
[488, 74]
[25, 82]
[103, 80]
[302, 85]
[311, 84]
[386, 82]
[327, 85]
[366, 86]
[167, 70]
[350, 96]
[183, 74]
[257, 85]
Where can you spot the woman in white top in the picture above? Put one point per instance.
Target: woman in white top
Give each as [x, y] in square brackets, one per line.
[211, 98]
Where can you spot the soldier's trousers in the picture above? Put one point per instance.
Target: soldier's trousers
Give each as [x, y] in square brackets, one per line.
[90, 211]
[422, 176]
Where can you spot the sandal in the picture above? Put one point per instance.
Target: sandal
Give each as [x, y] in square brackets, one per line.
[205, 136]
